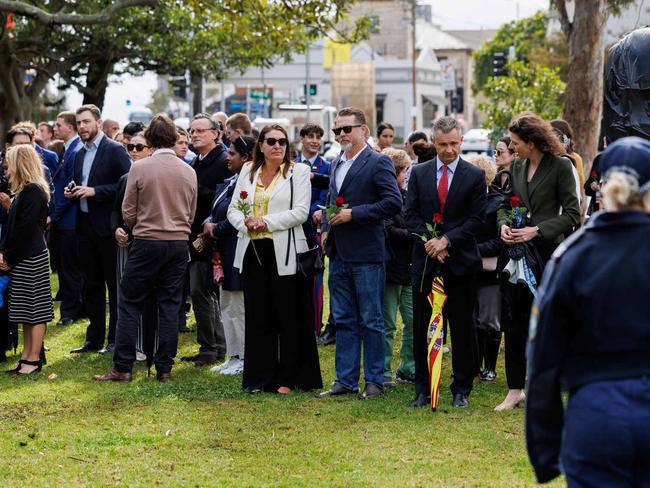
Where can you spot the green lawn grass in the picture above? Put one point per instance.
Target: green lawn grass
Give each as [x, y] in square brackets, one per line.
[201, 429]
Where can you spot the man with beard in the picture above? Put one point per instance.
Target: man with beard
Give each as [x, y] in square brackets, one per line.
[98, 166]
[211, 167]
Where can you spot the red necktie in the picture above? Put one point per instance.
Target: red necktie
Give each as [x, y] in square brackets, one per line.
[442, 188]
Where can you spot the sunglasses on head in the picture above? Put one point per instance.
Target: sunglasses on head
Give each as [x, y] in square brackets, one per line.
[272, 141]
[137, 147]
[347, 129]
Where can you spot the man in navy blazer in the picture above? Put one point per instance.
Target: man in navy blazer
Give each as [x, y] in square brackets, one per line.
[356, 246]
[63, 236]
[456, 189]
[99, 164]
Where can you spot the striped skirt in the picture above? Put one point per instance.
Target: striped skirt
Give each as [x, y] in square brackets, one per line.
[30, 292]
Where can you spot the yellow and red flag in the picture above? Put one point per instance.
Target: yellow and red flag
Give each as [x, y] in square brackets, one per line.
[437, 299]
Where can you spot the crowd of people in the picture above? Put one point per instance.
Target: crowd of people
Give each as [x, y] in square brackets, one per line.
[238, 227]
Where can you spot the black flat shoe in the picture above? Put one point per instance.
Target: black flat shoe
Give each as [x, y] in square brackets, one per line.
[420, 400]
[460, 401]
[86, 347]
[335, 390]
[38, 364]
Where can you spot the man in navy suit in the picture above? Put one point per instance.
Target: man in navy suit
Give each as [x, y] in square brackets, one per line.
[99, 164]
[63, 236]
[456, 189]
[356, 245]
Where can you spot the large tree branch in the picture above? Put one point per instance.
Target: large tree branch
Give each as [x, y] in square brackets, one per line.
[46, 18]
[567, 26]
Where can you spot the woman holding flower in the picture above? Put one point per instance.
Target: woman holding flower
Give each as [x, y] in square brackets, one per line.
[531, 226]
[270, 202]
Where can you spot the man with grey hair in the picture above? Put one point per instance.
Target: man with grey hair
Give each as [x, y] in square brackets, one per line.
[455, 189]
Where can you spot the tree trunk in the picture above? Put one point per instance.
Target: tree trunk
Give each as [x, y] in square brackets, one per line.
[584, 94]
[97, 82]
[196, 86]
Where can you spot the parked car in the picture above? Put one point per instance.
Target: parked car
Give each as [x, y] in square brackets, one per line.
[476, 140]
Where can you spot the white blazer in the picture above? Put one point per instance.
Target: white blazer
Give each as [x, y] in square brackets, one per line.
[280, 218]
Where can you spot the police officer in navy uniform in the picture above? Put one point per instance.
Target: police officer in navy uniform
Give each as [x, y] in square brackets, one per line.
[590, 336]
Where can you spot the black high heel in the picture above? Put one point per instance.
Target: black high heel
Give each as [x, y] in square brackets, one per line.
[38, 363]
[17, 368]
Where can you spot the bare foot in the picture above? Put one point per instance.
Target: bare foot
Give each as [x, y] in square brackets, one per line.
[284, 390]
[514, 398]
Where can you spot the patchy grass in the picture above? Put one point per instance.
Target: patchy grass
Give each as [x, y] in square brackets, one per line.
[201, 429]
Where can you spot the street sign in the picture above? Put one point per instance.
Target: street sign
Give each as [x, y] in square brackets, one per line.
[259, 94]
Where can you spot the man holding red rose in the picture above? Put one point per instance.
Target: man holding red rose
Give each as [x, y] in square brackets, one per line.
[356, 246]
[454, 188]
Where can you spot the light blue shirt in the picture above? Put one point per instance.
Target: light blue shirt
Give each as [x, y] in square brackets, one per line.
[343, 167]
[451, 170]
[89, 158]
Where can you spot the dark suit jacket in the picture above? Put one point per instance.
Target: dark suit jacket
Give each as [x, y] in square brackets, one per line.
[370, 189]
[462, 219]
[552, 187]
[110, 163]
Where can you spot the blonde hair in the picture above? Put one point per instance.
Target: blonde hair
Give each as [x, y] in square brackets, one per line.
[621, 192]
[25, 166]
[400, 158]
[486, 165]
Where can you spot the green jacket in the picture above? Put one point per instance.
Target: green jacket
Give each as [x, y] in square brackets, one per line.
[550, 197]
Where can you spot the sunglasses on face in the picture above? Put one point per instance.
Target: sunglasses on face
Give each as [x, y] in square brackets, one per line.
[272, 141]
[137, 147]
[347, 129]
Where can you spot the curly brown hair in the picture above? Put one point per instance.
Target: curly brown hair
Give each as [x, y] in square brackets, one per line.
[530, 127]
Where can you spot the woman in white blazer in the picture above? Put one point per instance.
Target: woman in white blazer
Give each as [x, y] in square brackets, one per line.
[266, 257]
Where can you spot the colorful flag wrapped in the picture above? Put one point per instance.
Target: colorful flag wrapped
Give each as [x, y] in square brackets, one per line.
[437, 299]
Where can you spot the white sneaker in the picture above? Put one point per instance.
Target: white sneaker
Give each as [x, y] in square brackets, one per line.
[140, 356]
[219, 367]
[445, 350]
[236, 367]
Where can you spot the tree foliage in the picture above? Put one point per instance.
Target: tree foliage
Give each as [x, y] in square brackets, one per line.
[525, 35]
[529, 87]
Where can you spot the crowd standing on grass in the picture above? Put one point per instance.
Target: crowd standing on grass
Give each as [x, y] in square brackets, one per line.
[228, 221]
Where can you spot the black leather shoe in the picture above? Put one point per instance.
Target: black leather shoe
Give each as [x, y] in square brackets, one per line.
[370, 391]
[65, 321]
[460, 401]
[336, 389]
[109, 349]
[421, 400]
[192, 358]
[185, 330]
[327, 338]
[86, 347]
[404, 378]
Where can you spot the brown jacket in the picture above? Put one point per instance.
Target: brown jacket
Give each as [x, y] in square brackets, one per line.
[160, 198]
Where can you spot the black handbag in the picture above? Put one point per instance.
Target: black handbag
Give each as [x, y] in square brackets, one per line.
[308, 263]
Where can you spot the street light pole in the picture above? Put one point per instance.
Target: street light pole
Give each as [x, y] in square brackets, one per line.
[413, 67]
[307, 85]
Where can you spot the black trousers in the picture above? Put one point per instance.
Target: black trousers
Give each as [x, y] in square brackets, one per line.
[459, 310]
[69, 272]
[98, 257]
[280, 346]
[152, 267]
[517, 301]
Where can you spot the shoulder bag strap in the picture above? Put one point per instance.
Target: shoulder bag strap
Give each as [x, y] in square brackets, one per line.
[290, 231]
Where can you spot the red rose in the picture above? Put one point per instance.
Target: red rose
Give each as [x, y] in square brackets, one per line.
[594, 174]
[437, 218]
[514, 201]
[340, 201]
[243, 194]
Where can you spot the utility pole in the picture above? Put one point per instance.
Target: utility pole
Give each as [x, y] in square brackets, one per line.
[307, 85]
[413, 67]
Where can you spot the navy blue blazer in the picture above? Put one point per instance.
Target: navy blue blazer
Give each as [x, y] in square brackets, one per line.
[463, 217]
[50, 158]
[110, 163]
[64, 216]
[226, 234]
[370, 189]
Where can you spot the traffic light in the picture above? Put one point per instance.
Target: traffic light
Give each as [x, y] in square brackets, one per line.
[313, 90]
[499, 62]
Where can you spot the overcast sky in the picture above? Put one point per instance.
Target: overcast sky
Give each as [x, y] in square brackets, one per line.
[449, 14]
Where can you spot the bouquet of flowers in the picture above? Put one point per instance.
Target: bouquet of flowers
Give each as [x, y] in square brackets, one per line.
[516, 215]
[245, 208]
[339, 204]
[431, 233]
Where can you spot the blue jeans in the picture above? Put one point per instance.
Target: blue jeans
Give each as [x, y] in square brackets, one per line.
[357, 295]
